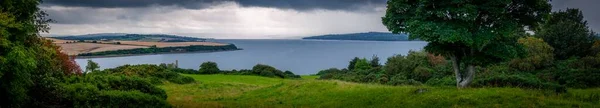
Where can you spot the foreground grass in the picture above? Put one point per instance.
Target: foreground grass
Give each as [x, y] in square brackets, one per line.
[255, 91]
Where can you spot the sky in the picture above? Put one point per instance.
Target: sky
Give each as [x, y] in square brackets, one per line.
[236, 19]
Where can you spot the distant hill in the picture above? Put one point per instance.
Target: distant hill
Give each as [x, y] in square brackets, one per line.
[132, 37]
[369, 36]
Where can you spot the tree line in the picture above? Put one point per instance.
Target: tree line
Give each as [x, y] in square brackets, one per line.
[475, 34]
[563, 52]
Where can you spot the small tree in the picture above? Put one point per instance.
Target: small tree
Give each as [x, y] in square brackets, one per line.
[470, 32]
[539, 54]
[209, 68]
[567, 33]
[362, 64]
[352, 63]
[375, 61]
[91, 66]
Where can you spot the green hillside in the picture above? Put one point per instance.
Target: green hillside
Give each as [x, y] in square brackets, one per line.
[255, 91]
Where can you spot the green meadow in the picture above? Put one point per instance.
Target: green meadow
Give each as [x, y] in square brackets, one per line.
[255, 91]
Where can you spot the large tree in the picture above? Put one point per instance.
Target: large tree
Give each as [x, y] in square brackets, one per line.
[470, 32]
[567, 33]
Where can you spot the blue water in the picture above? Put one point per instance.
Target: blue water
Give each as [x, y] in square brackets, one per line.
[299, 56]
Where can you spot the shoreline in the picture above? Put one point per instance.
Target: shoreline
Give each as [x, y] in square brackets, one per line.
[126, 55]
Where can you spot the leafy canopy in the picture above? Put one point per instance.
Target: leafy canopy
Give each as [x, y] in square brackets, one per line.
[567, 33]
[478, 31]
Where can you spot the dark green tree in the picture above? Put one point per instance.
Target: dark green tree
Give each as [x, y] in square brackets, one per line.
[362, 64]
[470, 32]
[375, 61]
[567, 33]
[91, 66]
[352, 63]
[209, 68]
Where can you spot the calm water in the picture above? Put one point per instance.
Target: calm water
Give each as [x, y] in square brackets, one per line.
[299, 56]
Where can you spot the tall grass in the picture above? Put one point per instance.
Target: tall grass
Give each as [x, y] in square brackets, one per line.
[255, 91]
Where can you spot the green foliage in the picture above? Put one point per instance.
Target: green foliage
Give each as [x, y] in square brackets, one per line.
[352, 63]
[146, 71]
[539, 55]
[122, 83]
[375, 61]
[362, 64]
[413, 69]
[209, 68]
[92, 66]
[567, 33]
[472, 33]
[269, 71]
[463, 28]
[445, 81]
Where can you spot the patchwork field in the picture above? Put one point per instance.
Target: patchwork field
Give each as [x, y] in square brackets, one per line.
[255, 91]
[87, 47]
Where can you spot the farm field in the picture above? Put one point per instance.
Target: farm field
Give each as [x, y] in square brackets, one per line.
[256, 91]
[85, 47]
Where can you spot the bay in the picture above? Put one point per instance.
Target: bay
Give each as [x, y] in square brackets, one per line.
[302, 57]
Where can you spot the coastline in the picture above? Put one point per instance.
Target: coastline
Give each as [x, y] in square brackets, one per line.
[126, 55]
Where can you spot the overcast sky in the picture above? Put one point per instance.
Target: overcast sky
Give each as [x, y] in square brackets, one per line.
[239, 19]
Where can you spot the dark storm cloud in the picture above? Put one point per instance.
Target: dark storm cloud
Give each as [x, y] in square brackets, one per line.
[590, 9]
[199, 4]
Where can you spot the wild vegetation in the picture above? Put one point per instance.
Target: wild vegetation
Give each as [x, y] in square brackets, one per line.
[539, 65]
[257, 70]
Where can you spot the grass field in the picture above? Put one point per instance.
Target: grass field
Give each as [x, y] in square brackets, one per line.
[255, 91]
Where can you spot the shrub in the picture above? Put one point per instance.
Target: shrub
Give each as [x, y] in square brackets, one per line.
[145, 71]
[269, 71]
[539, 55]
[421, 74]
[583, 78]
[209, 68]
[129, 99]
[329, 71]
[445, 81]
[401, 80]
[362, 64]
[111, 91]
[516, 80]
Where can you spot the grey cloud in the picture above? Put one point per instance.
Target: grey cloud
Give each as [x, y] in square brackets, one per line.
[300, 5]
[590, 10]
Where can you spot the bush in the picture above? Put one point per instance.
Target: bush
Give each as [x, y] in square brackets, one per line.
[516, 80]
[329, 71]
[129, 99]
[401, 80]
[182, 80]
[445, 81]
[269, 71]
[111, 91]
[421, 74]
[209, 68]
[584, 78]
[145, 71]
[131, 83]
[539, 55]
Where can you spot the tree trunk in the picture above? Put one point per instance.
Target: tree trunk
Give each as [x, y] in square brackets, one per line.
[456, 67]
[468, 78]
[463, 79]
